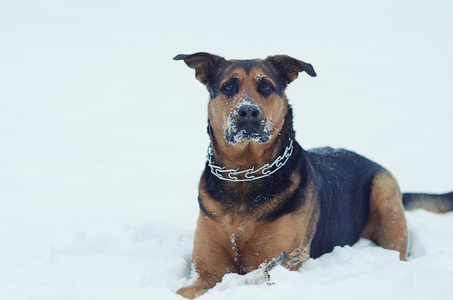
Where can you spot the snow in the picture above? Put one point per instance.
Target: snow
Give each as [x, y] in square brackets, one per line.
[103, 139]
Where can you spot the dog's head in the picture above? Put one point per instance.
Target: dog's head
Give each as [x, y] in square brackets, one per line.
[247, 99]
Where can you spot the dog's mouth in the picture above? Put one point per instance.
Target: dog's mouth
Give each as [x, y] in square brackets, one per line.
[241, 131]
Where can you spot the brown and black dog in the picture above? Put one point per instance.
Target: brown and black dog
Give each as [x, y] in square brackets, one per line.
[261, 194]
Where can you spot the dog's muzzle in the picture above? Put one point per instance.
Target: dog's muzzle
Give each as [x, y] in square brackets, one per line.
[247, 124]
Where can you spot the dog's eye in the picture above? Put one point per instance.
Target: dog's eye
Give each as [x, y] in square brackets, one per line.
[266, 88]
[228, 88]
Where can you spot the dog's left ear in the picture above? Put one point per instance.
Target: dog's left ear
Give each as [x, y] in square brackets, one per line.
[290, 67]
[203, 63]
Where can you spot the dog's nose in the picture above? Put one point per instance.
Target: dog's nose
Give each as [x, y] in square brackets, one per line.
[248, 112]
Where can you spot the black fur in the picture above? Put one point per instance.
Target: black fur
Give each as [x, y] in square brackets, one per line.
[296, 199]
[257, 192]
[202, 208]
[343, 181]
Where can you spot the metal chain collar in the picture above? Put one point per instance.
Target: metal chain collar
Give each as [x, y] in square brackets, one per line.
[250, 174]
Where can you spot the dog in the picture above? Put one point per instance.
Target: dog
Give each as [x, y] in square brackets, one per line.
[261, 194]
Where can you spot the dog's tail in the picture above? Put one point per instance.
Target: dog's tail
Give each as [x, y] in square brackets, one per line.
[439, 203]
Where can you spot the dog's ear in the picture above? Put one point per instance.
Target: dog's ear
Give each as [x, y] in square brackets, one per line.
[289, 67]
[203, 63]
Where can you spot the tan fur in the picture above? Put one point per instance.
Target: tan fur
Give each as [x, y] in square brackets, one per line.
[386, 222]
[227, 241]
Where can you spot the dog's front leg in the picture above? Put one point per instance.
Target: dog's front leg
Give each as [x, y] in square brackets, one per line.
[213, 257]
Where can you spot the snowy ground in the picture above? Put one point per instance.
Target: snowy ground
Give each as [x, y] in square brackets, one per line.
[102, 138]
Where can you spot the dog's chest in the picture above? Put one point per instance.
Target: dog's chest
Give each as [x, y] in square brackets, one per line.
[249, 243]
[247, 253]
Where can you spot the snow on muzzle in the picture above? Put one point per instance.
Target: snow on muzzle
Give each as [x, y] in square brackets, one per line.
[247, 123]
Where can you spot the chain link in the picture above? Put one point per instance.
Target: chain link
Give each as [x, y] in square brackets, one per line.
[250, 174]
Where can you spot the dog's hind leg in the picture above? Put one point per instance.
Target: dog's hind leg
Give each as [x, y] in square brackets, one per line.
[386, 224]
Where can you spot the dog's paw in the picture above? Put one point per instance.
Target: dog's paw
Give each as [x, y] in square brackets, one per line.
[191, 292]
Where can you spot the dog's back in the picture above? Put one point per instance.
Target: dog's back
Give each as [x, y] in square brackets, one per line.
[344, 182]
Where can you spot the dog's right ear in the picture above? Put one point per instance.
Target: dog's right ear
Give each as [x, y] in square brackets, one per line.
[203, 63]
